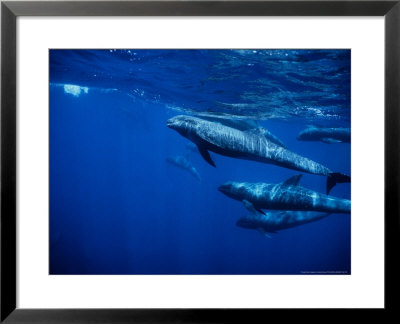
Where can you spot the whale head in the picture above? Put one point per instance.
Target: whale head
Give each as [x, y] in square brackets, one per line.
[183, 124]
[247, 222]
[304, 135]
[308, 134]
[227, 188]
[234, 190]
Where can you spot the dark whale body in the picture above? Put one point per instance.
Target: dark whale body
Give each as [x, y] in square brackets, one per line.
[287, 195]
[183, 163]
[325, 134]
[231, 142]
[275, 221]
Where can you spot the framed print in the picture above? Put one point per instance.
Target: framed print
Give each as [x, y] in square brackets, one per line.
[195, 161]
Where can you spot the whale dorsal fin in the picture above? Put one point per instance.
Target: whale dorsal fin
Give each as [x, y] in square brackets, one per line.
[256, 131]
[206, 155]
[292, 181]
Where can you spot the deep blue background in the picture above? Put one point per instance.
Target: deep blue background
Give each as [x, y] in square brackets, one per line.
[117, 206]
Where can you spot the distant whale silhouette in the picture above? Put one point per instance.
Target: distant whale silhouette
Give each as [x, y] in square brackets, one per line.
[183, 163]
[192, 147]
[287, 195]
[228, 141]
[325, 134]
[246, 125]
[272, 222]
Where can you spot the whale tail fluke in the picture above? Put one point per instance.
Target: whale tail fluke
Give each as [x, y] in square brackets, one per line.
[334, 178]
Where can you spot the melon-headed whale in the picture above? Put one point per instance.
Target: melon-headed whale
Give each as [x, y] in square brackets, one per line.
[228, 141]
[183, 163]
[275, 221]
[287, 195]
[329, 135]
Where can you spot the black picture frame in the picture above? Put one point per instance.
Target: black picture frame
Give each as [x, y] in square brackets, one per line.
[10, 10]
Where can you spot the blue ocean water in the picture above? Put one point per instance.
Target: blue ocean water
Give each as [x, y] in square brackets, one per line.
[118, 207]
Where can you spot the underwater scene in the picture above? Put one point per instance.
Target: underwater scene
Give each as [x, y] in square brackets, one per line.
[200, 161]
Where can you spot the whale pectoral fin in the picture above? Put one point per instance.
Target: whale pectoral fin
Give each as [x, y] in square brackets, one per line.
[206, 155]
[292, 181]
[263, 233]
[259, 210]
[251, 208]
[330, 140]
